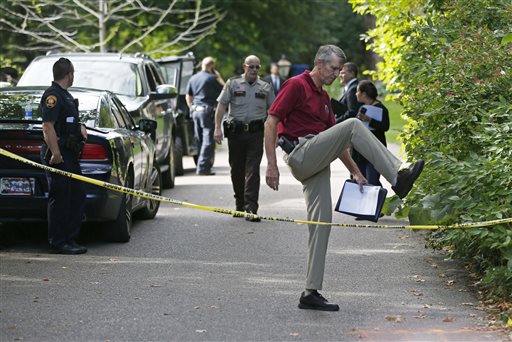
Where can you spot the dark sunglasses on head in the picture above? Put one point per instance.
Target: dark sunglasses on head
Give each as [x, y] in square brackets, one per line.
[257, 67]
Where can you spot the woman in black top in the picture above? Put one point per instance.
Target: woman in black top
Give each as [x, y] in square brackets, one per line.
[367, 94]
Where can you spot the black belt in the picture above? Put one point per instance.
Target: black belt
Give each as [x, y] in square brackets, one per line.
[253, 126]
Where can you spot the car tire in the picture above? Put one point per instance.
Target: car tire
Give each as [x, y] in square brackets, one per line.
[120, 229]
[168, 177]
[155, 187]
[178, 156]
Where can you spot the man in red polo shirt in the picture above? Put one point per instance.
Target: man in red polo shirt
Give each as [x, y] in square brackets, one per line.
[302, 117]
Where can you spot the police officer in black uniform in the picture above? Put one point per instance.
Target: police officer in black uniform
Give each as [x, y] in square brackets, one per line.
[248, 98]
[64, 137]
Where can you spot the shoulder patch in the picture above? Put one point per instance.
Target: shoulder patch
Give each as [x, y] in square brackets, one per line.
[235, 77]
[51, 101]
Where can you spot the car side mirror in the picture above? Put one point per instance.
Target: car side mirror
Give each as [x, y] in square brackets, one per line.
[164, 91]
[147, 126]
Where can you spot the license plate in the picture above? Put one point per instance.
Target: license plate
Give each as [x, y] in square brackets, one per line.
[17, 186]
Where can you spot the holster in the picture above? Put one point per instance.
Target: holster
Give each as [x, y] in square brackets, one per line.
[286, 144]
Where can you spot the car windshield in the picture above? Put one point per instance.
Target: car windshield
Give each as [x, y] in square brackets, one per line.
[14, 104]
[117, 76]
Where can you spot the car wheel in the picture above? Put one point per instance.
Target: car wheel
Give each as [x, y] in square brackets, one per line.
[120, 229]
[178, 156]
[170, 174]
[151, 208]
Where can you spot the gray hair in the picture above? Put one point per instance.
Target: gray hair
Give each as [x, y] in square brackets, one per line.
[206, 61]
[325, 52]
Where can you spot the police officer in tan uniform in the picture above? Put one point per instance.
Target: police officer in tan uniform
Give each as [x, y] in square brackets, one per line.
[248, 98]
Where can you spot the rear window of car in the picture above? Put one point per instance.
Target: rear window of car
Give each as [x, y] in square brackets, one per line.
[119, 77]
[14, 103]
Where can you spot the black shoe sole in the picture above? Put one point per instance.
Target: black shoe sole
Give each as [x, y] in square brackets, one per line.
[319, 308]
[67, 252]
[416, 171]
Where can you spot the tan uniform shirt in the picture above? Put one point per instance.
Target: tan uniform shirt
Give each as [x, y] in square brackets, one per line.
[246, 102]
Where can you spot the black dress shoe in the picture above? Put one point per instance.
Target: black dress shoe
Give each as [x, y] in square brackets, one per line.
[238, 215]
[76, 245]
[69, 248]
[252, 219]
[315, 301]
[406, 178]
[206, 173]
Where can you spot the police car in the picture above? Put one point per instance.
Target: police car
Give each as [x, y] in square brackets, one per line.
[118, 151]
[137, 81]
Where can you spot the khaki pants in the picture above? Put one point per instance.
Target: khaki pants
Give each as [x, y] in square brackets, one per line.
[310, 163]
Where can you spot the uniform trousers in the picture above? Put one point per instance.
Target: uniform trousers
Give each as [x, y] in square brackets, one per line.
[310, 163]
[245, 153]
[66, 201]
[204, 127]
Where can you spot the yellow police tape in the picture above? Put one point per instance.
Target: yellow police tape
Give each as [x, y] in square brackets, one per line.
[143, 194]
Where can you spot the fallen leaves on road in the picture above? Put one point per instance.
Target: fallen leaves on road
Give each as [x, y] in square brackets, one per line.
[396, 319]
[449, 319]
[201, 331]
[450, 282]
[417, 293]
[294, 334]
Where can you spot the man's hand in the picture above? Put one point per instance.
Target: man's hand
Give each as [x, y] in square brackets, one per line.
[359, 178]
[56, 159]
[217, 135]
[272, 177]
[83, 131]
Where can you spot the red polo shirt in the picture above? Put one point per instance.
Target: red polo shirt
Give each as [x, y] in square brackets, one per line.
[302, 108]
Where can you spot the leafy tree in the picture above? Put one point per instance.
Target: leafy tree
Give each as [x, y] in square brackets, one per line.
[272, 28]
[109, 25]
[451, 60]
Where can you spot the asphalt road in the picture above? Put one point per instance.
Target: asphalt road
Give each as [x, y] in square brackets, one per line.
[192, 275]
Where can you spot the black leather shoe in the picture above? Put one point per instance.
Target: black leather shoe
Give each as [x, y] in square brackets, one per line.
[406, 178]
[315, 301]
[238, 215]
[69, 248]
[206, 173]
[252, 219]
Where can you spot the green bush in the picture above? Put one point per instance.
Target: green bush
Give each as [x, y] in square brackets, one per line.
[451, 61]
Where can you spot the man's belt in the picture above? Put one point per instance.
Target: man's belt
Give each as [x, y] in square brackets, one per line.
[253, 126]
[200, 108]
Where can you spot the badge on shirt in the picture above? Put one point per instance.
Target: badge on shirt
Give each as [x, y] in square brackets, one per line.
[239, 90]
[260, 95]
[51, 101]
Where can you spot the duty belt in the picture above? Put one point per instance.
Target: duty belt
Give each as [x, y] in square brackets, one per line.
[199, 108]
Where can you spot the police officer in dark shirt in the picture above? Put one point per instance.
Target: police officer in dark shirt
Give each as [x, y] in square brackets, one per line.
[64, 137]
[248, 98]
[202, 91]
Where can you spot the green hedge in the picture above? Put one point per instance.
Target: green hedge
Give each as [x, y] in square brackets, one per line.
[451, 61]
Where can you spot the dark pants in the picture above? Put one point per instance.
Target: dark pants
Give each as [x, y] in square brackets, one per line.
[245, 153]
[369, 172]
[66, 201]
[204, 127]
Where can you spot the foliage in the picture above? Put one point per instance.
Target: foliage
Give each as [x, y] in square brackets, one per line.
[451, 60]
[272, 28]
[149, 26]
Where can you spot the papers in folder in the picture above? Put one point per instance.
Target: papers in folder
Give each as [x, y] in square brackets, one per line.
[374, 113]
[366, 204]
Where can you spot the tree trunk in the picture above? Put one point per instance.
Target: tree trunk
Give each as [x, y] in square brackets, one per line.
[101, 24]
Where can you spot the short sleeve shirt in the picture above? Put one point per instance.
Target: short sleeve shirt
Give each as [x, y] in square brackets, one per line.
[204, 88]
[58, 106]
[302, 108]
[246, 102]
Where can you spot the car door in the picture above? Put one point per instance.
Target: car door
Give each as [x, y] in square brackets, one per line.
[135, 138]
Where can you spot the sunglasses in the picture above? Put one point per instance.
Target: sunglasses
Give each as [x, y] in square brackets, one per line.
[251, 66]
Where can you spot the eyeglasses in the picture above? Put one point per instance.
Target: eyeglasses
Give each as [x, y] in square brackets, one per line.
[251, 66]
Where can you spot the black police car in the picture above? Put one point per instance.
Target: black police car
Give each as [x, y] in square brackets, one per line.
[136, 80]
[117, 151]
